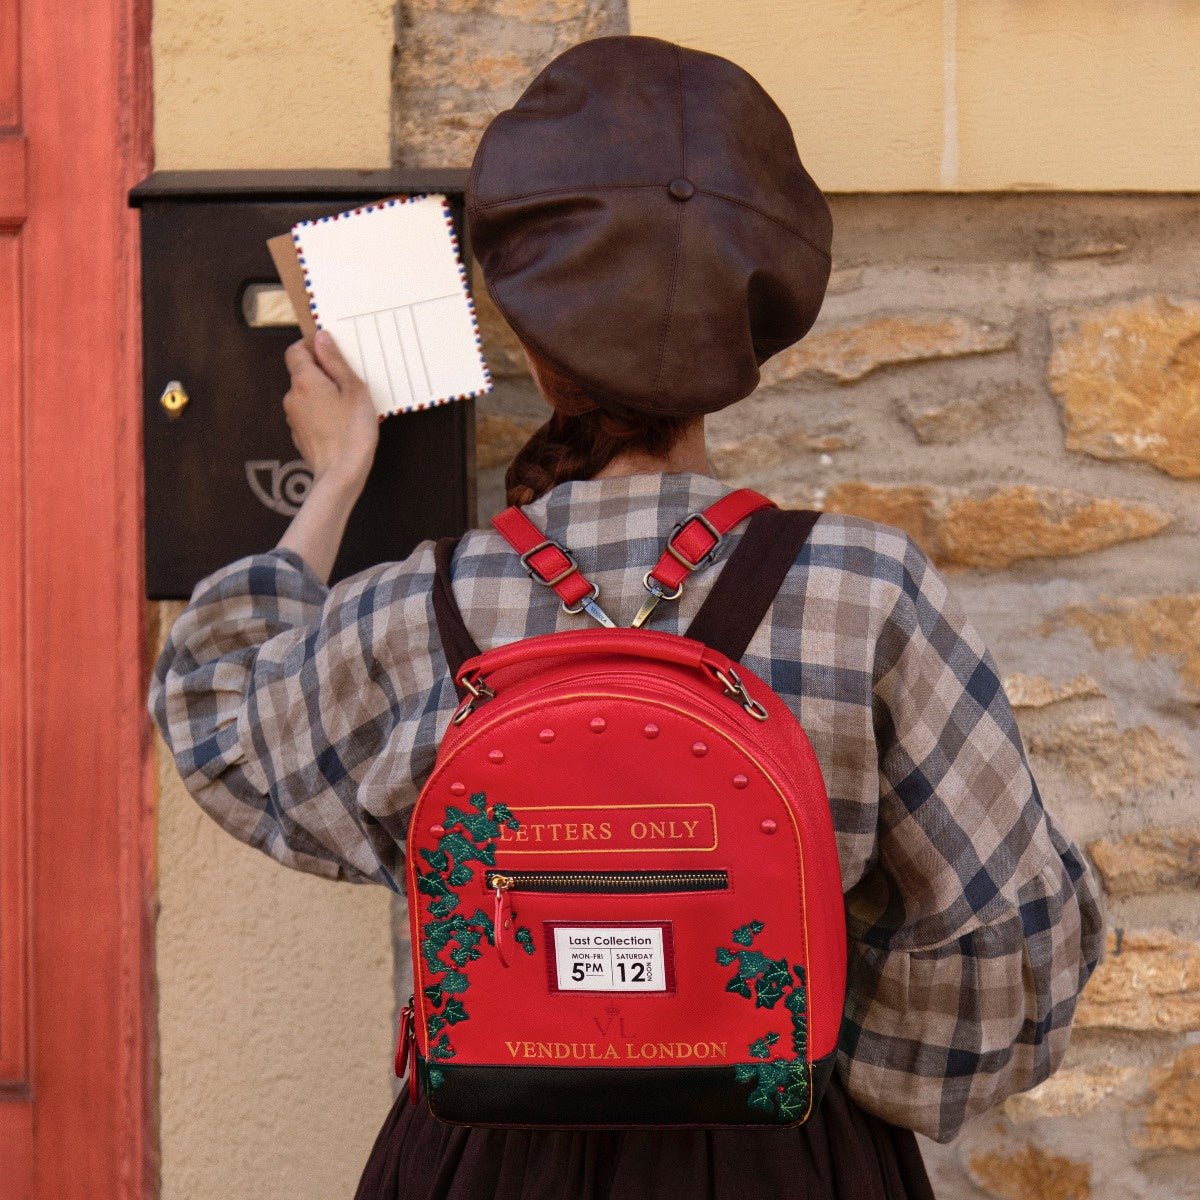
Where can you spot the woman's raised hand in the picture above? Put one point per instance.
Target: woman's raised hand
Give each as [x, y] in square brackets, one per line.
[329, 411]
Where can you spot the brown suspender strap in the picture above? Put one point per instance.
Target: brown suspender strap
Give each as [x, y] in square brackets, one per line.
[747, 585]
[457, 642]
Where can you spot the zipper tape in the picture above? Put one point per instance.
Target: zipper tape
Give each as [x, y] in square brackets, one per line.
[607, 881]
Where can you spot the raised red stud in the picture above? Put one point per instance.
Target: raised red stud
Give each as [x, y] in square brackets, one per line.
[699, 749]
[457, 788]
[768, 826]
[597, 724]
[437, 830]
[740, 781]
[651, 731]
[547, 735]
[496, 756]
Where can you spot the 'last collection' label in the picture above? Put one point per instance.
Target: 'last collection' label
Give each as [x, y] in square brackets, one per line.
[612, 958]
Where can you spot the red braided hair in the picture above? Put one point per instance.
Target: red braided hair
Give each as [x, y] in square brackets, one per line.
[580, 438]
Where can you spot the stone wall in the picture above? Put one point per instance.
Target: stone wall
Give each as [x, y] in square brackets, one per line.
[459, 62]
[1015, 380]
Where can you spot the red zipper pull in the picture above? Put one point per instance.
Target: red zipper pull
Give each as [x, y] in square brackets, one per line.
[406, 1046]
[502, 913]
[412, 1063]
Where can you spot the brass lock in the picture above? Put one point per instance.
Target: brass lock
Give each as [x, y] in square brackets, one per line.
[174, 399]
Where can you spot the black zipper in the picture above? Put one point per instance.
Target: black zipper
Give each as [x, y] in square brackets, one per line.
[607, 881]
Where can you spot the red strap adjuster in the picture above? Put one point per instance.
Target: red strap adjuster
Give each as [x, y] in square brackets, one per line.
[535, 573]
[705, 558]
[549, 563]
[695, 542]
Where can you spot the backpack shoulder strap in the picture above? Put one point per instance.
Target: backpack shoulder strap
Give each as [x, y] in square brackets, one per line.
[747, 585]
[457, 642]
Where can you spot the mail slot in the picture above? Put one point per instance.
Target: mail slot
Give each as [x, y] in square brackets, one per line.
[222, 477]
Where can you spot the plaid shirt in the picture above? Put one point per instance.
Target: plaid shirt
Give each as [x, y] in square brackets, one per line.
[305, 718]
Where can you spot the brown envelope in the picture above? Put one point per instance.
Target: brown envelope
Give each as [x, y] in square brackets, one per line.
[291, 275]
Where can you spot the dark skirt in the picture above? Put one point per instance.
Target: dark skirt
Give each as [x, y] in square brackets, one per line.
[840, 1153]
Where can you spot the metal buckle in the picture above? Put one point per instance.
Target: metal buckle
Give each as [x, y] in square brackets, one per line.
[736, 689]
[655, 588]
[478, 690]
[581, 604]
[704, 559]
[536, 575]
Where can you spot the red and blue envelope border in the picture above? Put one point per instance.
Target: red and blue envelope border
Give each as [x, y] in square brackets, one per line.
[448, 217]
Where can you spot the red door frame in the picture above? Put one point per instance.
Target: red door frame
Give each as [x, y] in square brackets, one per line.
[76, 789]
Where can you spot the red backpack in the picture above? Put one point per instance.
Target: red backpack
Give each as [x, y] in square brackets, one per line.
[624, 892]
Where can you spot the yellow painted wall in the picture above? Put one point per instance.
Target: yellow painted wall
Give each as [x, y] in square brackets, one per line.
[893, 95]
[275, 1013]
[272, 83]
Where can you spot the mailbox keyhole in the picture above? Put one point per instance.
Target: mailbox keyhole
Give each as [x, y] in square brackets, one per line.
[174, 399]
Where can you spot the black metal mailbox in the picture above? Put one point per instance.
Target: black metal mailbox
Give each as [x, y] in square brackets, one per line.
[222, 477]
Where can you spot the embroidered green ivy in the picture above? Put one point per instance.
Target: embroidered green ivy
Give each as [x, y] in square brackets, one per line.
[439, 1051]
[450, 940]
[780, 1087]
[450, 1015]
[770, 976]
[797, 1004]
[762, 1048]
[780, 1084]
[459, 936]
[745, 934]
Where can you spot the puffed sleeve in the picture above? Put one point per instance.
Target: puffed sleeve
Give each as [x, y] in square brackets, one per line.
[275, 693]
[980, 923]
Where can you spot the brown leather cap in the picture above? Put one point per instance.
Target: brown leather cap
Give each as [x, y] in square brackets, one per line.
[642, 219]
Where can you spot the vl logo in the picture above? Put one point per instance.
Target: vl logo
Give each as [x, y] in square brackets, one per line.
[281, 487]
[612, 1016]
